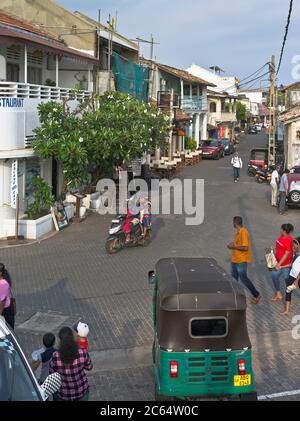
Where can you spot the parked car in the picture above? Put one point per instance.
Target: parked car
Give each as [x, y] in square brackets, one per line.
[212, 149]
[252, 130]
[294, 187]
[258, 128]
[228, 146]
[17, 381]
[201, 348]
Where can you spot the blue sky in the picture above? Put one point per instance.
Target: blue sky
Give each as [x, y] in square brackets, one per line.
[240, 36]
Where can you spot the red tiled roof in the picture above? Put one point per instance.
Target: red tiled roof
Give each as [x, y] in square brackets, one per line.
[20, 24]
[263, 110]
[23, 33]
[182, 116]
[183, 74]
[292, 85]
[291, 115]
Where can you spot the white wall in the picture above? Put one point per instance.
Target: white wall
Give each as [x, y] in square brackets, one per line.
[223, 83]
[256, 97]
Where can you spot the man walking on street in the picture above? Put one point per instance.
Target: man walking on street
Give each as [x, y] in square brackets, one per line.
[237, 164]
[283, 191]
[242, 256]
[275, 185]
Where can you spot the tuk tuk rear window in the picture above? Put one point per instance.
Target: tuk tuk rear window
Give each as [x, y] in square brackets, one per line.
[209, 327]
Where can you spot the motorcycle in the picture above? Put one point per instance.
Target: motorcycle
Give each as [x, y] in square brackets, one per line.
[253, 169]
[117, 234]
[263, 176]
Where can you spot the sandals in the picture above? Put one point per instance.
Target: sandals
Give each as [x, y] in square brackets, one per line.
[256, 301]
[277, 299]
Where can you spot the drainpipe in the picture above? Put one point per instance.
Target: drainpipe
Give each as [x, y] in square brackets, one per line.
[56, 71]
[25, 64]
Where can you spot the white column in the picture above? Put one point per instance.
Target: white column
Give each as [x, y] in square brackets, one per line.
[190, 131]
[181, 90]
[157, 154]
[204, 127]
[56, 71]
[25, 64]
[89, 81]
[197, 129]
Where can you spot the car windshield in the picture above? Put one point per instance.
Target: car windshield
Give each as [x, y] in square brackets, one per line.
[214, 143]
[15, 381]
[225, 142]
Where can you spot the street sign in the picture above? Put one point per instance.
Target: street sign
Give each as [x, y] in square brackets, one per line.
[14, 184]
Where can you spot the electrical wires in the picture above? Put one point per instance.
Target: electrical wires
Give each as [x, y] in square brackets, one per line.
[285, 35]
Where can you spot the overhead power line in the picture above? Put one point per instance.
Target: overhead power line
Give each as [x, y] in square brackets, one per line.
[253, 80]
[255, 73]
[286, 34]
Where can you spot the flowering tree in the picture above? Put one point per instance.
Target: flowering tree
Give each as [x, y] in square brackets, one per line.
[107, 130]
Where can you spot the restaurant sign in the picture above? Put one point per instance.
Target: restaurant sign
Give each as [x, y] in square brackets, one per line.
[11, 102]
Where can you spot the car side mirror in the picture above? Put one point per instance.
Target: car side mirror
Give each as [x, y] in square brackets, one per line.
[51, 385]
[151, 277]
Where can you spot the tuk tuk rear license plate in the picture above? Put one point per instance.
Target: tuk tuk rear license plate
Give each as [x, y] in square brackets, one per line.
[242, 381]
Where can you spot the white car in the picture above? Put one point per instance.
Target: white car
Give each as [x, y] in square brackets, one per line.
[17, 381]
[258, 127]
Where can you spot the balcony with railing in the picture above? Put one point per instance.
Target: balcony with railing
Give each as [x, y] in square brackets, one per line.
[29, 91]
[194, 104]
[19, 113]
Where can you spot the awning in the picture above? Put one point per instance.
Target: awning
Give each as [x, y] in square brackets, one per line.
[9, 36]
[182, 116]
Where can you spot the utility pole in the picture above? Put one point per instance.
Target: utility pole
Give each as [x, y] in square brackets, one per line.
[171, 123]
[152, 68]
[98, 33]
[111, 24]
[273, 113]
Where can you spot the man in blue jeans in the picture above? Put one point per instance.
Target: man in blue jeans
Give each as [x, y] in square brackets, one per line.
[242, 256]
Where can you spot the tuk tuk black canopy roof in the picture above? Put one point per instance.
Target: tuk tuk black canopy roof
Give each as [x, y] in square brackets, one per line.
[197, 284]
[198, 288]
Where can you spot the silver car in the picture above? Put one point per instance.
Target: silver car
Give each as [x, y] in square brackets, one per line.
[17, 381]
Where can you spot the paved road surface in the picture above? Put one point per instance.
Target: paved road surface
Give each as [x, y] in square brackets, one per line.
[70, 277]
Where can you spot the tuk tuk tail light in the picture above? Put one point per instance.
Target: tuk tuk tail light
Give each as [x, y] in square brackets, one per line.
[174, 370]
[242, 367]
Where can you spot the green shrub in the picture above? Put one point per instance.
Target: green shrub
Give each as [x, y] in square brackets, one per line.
[43, 199]
[190, 144]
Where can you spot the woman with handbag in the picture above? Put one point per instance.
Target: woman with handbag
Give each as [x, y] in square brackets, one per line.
[7, 302]
[284, 259]
[294, 278]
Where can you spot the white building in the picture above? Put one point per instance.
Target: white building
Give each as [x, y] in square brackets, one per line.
[222, 83]
[257, 96]
[34, 68]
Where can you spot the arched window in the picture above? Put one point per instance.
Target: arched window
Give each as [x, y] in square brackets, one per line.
[213, 107]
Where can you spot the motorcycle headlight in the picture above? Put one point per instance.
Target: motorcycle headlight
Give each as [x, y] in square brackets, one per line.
[114, 230]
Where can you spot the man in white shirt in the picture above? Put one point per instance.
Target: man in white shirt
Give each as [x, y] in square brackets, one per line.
[237, 164]
[275, 185]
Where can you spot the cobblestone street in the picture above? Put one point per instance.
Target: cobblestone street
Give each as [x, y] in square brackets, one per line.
[70, 277]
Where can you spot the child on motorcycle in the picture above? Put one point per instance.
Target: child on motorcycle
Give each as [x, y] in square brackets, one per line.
[145, 216]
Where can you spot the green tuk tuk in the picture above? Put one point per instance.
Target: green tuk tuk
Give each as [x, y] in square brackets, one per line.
[201, 348]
